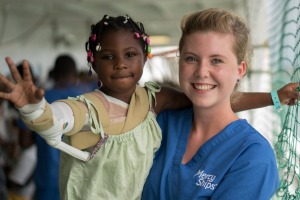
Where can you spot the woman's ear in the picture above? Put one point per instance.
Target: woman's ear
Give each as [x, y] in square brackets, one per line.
[242, 69]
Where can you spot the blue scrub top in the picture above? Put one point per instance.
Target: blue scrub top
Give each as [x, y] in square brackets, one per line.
[237, 163]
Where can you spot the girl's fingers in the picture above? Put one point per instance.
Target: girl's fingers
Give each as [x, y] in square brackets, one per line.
[26, 71]
[4, 80]
[4, 95]
[5, 83]
[15, 73]
[39, 94]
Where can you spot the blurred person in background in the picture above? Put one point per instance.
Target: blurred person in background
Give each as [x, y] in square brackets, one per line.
[20, 182]
[64, 75]
[3, 191]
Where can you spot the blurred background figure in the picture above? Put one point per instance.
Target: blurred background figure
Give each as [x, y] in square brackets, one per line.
[87, 82]
[63, 77]
[20, 181]
[3, 153]
[20, 152]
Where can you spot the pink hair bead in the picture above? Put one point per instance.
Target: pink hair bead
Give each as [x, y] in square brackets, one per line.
[147, 40]
[137, 35]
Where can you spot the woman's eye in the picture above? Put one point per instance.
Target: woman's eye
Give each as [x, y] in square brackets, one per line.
[190, 59]
[216, 61]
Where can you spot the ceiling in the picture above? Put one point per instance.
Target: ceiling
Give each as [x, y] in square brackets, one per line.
[38, 30]
[69, 21]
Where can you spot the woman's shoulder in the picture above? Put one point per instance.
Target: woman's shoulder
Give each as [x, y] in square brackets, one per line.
[252, 133]
[254, 142]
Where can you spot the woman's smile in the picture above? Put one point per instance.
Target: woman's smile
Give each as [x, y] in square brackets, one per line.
[205, 87]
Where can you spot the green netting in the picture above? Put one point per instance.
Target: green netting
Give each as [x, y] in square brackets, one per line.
[284, 44]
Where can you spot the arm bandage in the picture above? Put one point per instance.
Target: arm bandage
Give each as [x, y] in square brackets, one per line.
[63, 122]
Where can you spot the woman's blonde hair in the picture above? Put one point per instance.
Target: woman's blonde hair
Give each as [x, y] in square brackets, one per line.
[222, 21]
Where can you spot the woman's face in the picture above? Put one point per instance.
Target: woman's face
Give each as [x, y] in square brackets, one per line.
[208, 68]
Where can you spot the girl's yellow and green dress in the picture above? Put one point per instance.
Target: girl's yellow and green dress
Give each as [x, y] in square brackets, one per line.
[122, 139]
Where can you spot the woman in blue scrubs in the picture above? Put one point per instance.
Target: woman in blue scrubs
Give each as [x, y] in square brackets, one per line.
[207, 151]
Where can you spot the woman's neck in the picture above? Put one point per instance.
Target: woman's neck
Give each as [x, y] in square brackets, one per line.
[206, 124]
[211, 121]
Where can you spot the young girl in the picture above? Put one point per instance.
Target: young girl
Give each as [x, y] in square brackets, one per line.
[115, 126]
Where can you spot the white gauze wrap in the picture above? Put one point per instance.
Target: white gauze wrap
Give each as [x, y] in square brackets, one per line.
[63, 120]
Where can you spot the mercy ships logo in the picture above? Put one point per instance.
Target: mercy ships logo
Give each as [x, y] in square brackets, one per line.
[205, 180]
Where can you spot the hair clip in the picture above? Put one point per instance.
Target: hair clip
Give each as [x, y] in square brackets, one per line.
[136, 35]
[93, 37]
[149, 55]
[98, 47]
[126, 19]
[147, 40]
[92, 58]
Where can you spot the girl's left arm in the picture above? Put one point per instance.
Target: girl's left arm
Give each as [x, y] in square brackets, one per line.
[288, 95]
[170, 98]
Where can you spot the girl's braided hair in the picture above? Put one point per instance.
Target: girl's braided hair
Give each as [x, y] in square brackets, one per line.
[108, 23]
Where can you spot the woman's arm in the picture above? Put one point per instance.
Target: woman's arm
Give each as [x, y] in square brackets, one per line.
[241, 101]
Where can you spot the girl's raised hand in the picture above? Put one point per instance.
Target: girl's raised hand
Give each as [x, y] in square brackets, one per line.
[23, 91]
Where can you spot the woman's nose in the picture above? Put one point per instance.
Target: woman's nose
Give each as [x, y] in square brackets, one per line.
[202, 70]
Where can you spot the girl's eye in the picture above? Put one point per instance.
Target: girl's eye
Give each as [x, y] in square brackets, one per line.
[107, 57]
[216, 61]
[130, 54]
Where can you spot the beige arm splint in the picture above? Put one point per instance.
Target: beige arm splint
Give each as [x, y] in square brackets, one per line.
[51, 131]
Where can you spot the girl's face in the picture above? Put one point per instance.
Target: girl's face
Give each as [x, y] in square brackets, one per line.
[208, 68]
[119, 64]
